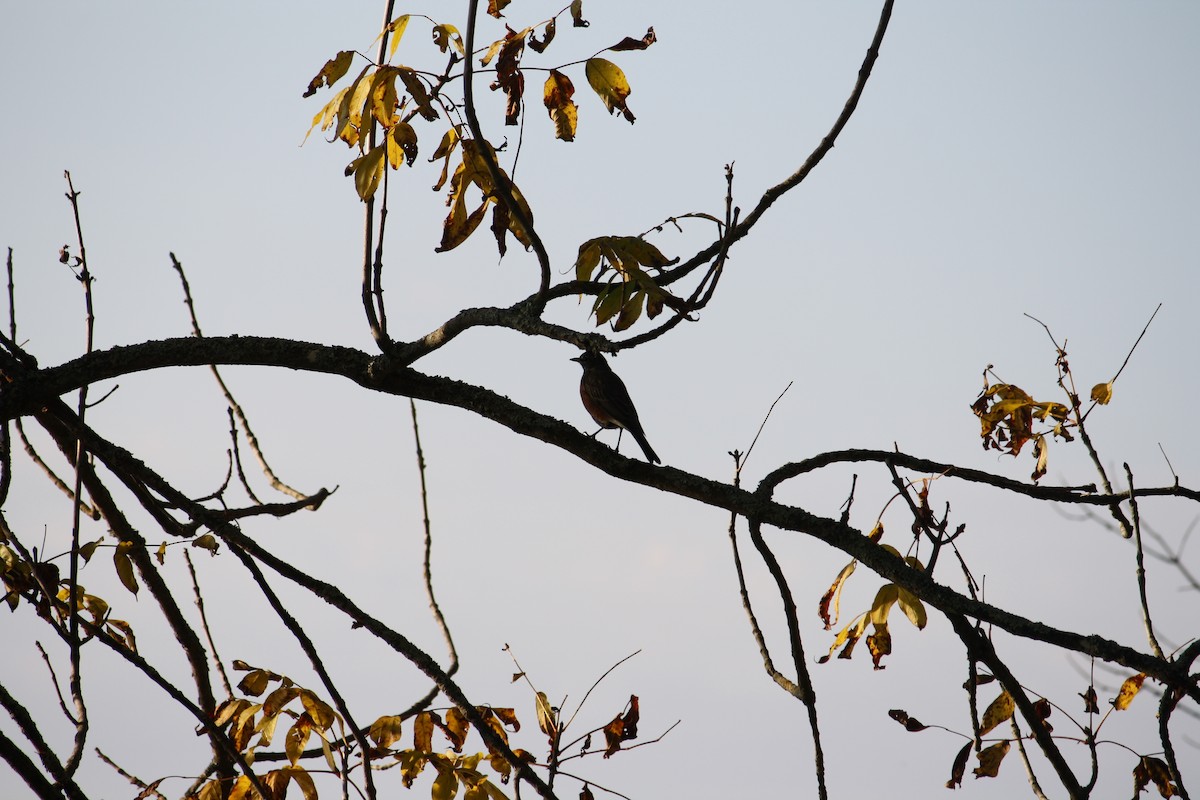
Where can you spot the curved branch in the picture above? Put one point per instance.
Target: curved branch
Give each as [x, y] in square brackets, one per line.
[30, 390]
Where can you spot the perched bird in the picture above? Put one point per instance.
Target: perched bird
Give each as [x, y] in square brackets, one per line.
[607, 400]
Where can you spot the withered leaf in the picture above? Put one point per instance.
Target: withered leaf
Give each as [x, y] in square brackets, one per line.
[990, 758]
[539, 46]
[629, 43]
[911, 725]
[1156, 770]
[331, 73]
[959, 767]
[830, 603]
[423, 732]
[1091, 703]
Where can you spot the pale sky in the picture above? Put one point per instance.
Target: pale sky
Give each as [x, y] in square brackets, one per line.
[1023, 158]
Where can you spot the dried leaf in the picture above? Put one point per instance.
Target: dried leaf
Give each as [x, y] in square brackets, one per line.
[629, 43]
[423, 732]
[830, 605]
[1102, 393]
[911, 725]
[1091, 704]
[320, 712]
[959, 767]
[990, 758]
[562, 109]
[577, 14]
[255, 683]
[539, 46]
[331, 73]
[1156, 770]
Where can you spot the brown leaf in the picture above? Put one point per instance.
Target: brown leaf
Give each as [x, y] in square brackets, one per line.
[1153, 769]
[557, 94]
[509, 76]
[911, 725]
[629, 43]
[586, 794]
[496, 6]
[577, 14]
[256, 682]
[622, 728]
[1043, 710]
[547, 36]
[959, 767]
[879, 644]
[456, 728]
[990, 758]
[423, 732]
[1091, 704]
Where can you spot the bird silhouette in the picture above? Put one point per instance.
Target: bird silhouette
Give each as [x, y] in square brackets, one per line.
[605, 397]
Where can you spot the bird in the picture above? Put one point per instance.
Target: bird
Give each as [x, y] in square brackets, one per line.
[605, 397]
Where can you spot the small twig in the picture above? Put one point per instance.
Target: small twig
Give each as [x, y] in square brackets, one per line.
[1141, 568]
[233, 404]
[596, 683]
[1034, 786]
[147, 789]
[75, 680]
[427, 565]
[34, 456]
[212, 646]
[1129, 355]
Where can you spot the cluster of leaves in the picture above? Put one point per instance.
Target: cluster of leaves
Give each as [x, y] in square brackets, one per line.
[251, 725]
[394, 95]
[1007, 415]
[1001, 709]
[40, 582]
[879, 642]
[626, 260]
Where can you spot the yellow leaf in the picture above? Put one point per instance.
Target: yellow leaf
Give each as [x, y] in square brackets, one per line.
[322, 715]
[383, 96]
[368, 170]
[297, 737]
[331, 73]
[385, 731]
[328, 113]
[885, 598]
[562, 109]
[608, 81]
[304, 781]
[255, 683]
[630, 311]
[279, 698]
[913, 608]
[396, 29]
[1129, 690]
[1102, 393]
[242, 789]
[124, 565]
[446, 35]
[847, 637]
[879, 643]
[547, 719]
[207, 542]
[445, 785]
[230, 709]
[1000, 710]
[211, 791]
[423, 732]
[989, 760]
[830, 605]
[496, 6]
[86, 550]
[161, 553]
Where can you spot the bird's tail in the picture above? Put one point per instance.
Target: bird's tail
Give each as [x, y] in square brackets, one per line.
[640, 438]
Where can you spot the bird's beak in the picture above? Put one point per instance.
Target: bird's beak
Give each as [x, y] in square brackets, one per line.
[578, 359]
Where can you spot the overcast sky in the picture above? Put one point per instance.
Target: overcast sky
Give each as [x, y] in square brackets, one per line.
[1022, 158]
